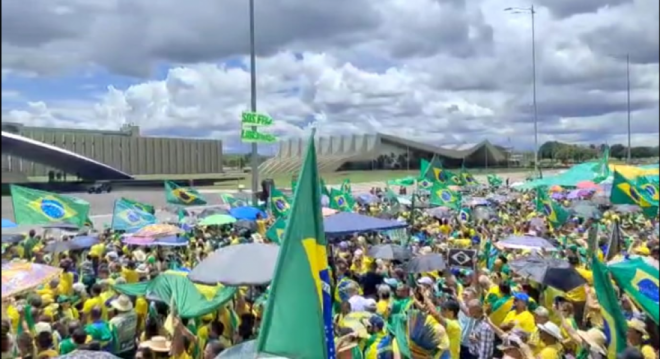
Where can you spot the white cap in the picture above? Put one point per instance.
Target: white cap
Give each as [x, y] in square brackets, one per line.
[425, 281]
[370, 304]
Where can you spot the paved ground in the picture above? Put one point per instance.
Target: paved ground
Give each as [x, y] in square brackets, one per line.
[102, 204]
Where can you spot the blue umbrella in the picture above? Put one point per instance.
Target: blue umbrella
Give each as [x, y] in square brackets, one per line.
[84, 242]
[247, 213]
[7, 223]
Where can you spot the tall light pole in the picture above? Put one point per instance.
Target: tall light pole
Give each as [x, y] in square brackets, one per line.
[530, 10]
[628, 91]
[253, 107]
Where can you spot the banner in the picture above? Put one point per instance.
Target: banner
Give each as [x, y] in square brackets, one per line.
[255, 119]
[248, 135]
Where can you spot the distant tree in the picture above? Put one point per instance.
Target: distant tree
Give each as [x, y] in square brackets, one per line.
[618, 151]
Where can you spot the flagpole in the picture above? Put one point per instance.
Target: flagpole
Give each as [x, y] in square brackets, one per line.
[253, 107]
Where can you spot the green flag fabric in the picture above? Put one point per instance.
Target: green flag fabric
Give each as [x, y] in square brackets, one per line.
[494, 180]
[465, 214]
[276, 231]
[324, 189]
[232, 201]
[603, 167]
[640, 192]
[443, 196]
[279, 204]
[142, 206]
[554, 212]
[346, 187]
[300, 300]
[615, 323]
[467, 177]
[340, 201]
[33, 206]
[639, 280]
[175, 194]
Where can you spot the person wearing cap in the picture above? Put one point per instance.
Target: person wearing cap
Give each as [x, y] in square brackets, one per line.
[551, 338]
[520, 316]
[637, 338]
[511, 348]
[380, 343]
[99, 330]
[124, 324]
[541, 316]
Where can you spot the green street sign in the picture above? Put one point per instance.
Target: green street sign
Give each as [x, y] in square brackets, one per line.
[255, 119]
[248, 135]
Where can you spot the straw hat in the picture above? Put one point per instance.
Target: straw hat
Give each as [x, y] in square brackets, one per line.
[595, 338]
[638, 325]
[158, 344]
[139, 256]
[122, 304]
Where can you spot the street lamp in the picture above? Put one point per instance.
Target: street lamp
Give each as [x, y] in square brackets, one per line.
[530, 10]
[253, 107]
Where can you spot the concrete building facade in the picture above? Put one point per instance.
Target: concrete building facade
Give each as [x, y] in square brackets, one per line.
[125, 150]
[378, 152]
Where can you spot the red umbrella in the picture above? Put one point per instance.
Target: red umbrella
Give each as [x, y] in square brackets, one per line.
[588, 185]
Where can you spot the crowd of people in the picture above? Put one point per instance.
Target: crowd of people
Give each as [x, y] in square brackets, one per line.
[381, 310]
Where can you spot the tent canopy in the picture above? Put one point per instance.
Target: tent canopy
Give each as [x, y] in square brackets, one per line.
[348, 223]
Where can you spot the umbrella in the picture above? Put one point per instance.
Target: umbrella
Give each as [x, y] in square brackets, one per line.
[477, 201]
[245, 350]
[217, 220]
[526, 242]
[238, 265]
[627, 208]
[88, 354]
[62, 226]
[587, 185]
[558, 195]
[158, 230]
[440, 212]
[586, 211]
[212, 211]
[7, 223]
[553, 272]
[59, 246]
[139, 241]
[19, 277]
[12, 238]
[172, 241]
[84, 242]
[249, 213]
[389, 252]
[367, 198]
[328, 211]
[483, 213]
[246, 225]
[556, 188]
[426, 263]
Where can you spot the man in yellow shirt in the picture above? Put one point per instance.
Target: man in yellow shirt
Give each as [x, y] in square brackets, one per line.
[95, 301]
[636, 334]
[520, 316]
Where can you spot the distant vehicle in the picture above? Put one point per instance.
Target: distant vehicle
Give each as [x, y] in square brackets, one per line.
[99, 187]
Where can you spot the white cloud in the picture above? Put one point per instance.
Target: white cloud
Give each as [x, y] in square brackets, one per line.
[437, 71]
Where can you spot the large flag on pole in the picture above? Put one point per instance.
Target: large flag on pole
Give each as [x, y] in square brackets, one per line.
[614, 322]
[297, 321]
[37, 207]
[185, 196]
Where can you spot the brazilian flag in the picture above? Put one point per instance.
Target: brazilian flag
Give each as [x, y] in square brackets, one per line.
[184, 196]
[554, 212]
[300, 299]
[341, 201]
[279, 204]
[276, 231]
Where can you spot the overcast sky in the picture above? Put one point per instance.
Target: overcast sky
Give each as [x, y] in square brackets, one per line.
[438, 71]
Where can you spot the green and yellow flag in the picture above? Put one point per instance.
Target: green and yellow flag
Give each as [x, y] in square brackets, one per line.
[184, 196]
[639, 280]
[346, 187]
[443, 196]
[279, 204]
[142, 206]
[553, 211]
[467, 177]
[640, 192]
[341, 201]
[603, 167]
[615, 327]
[276, 231]
[33, 206]
[232, 201]
[300, 297]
